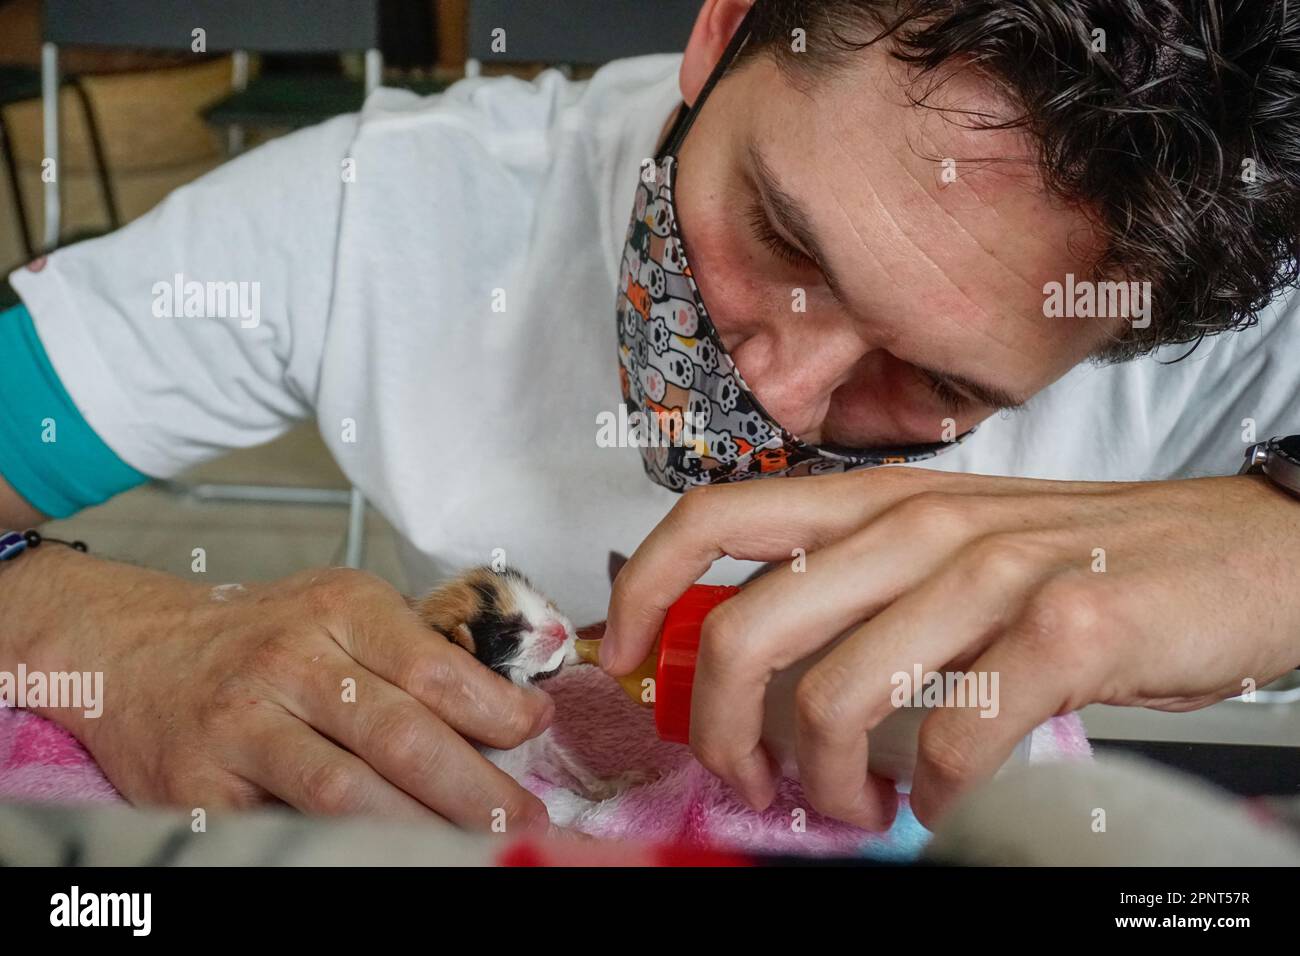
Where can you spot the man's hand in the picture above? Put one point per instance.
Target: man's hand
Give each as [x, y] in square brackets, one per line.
[323, 691]
[1170, 595]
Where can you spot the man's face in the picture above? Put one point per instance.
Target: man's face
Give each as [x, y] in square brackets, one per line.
[924, 298]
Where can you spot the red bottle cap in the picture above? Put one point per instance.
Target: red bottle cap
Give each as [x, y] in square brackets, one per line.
[679, 644]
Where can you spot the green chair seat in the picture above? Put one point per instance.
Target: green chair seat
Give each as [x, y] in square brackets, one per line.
[18, 83]
[296, 100]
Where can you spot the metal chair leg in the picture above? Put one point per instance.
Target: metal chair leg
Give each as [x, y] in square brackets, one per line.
[235, 142]
[374, 70]
[15, 187]
[97, 151]
[356, 541]
[50, 132]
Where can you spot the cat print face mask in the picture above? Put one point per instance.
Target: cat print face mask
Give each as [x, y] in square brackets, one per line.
[699, 422]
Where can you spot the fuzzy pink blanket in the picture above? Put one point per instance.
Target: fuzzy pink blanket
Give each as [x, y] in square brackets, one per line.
[685, 804]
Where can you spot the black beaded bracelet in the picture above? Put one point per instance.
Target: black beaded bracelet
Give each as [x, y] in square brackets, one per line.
[14, 543]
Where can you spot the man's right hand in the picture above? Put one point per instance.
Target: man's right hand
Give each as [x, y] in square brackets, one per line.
[323, 691]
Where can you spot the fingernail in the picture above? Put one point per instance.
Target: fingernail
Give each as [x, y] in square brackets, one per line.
[568, 833]
[759, 798]
[606, 652]
[546, 715]
[540, 820]
[880, 801]
[886, 794]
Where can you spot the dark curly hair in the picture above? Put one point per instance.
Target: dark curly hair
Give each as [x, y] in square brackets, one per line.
[1181, 139]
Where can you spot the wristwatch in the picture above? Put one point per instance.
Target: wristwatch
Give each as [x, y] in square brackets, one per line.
[1277, 458]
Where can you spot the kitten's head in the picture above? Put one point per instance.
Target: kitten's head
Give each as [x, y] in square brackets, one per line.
[500, 618]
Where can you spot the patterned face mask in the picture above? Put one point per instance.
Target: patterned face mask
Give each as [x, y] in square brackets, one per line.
[699, 422]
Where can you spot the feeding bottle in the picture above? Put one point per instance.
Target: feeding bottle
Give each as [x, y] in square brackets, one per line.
[665, 678]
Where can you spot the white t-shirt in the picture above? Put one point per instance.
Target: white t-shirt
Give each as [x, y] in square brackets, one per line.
[448, 317]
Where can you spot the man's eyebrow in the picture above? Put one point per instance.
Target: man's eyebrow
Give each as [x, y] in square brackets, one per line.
[793, 218]
[990, 395]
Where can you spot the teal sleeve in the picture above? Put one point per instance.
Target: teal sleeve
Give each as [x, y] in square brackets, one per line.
[48, 453]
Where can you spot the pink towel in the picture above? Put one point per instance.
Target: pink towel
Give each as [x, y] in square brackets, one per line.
[684, 804]
[40, 761]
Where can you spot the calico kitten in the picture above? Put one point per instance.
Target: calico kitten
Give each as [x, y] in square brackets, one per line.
[518, 632]
[500, 618]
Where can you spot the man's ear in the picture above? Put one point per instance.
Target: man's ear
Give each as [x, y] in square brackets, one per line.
[714, 28]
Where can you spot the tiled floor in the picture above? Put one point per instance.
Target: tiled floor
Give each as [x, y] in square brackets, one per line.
[245, 542]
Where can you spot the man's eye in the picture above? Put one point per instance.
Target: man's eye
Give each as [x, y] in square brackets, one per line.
[953, 400]
[761, 227]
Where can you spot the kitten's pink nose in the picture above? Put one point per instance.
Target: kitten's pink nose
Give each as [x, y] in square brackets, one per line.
[552, 634]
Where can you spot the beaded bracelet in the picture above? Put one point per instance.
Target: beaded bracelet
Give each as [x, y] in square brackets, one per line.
[14, 543]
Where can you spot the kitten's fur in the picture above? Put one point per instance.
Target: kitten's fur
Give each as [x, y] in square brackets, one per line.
[511, 627]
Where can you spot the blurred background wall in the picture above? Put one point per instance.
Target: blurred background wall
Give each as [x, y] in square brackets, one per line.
[149, 109]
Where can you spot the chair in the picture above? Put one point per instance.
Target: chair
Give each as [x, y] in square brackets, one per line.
[407, 36]
[18, 83]
[237, 27]
[576, 32]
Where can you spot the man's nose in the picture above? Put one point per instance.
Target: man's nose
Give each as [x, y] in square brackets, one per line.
[794, 375]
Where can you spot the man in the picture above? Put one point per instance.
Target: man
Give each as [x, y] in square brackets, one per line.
[874, 227]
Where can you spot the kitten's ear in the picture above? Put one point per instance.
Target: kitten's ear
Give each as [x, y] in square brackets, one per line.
[463, 637]
[616, 562]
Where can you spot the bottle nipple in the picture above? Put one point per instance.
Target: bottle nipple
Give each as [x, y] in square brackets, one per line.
[588, 650]
[665, 678]
[633, 684]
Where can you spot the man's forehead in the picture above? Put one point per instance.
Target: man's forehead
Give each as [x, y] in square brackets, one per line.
[958, 120]
[951, 211]
[947, 140]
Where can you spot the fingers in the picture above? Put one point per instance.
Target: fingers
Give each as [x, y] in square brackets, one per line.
[787, 614]
[909, 524]
[1060, 652]
[402, 740]
[849, 693]
[960, 747]
[727, 702]
[292, 762]
[781, 619]
[467, 696]
[399, 697]
[784, 617]
[759, 521]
